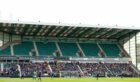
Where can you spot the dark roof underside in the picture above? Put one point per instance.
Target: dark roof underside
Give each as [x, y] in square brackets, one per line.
[65, 31]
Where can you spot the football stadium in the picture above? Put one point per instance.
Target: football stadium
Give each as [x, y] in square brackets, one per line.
[33, 52]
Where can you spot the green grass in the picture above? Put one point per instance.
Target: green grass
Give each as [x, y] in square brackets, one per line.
[71, 80]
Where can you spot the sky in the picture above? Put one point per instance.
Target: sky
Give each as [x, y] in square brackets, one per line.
[93, 12]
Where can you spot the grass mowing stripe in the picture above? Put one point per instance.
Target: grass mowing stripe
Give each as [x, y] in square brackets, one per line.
[71, 80]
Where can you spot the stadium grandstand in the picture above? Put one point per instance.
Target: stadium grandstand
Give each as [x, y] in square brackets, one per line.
[63, 50]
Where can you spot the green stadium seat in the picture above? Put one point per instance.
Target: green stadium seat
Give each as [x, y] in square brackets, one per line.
[90, 49]
[68, 49]
[46, 49]
[23, 49]
[111, 50]
[5, 52]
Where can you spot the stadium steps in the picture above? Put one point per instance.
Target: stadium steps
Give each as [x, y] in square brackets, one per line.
[80, 70]
[108, 70]
[114, 69]
[102, 52]
[7, 44]
[5, 52]
[111, 50]
[53, 66]
[135, 69]
[7, 48]
[12, 50]
[81, 51]
[50, 68]
[35, 47]
[59, 50]
[90, 49]
[68, 49]
[122, 50]
[46, 49]
[23, 49]
[4, 46]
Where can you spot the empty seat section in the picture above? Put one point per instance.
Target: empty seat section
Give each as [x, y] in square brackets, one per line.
[5, 52]
[23, 49]
[46, 48]
[111, 50]
[68, 49]
[90, 49]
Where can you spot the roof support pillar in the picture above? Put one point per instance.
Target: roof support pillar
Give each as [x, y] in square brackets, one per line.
[136, 50]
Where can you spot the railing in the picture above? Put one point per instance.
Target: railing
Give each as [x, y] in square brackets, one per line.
[78, 59]
[52, 56]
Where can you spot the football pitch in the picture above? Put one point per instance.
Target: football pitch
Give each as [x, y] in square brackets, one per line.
[71, 80]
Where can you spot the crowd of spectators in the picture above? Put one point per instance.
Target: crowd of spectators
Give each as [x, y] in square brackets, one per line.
[69, 69]
[121, 69]
[91, 69]
[27, 69]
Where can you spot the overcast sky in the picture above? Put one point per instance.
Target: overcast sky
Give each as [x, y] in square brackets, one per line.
[93, 12]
